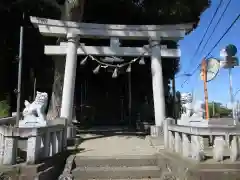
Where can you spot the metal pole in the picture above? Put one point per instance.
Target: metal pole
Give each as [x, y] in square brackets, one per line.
[19, 73]
[230, 84]
[230, 89]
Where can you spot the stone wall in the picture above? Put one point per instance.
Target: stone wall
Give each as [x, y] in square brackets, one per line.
[49, 169]
[174, 167]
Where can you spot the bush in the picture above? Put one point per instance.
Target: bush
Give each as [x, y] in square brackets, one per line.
[4, 109]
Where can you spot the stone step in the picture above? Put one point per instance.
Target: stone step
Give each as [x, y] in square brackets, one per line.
[121, 161]
[143, 172]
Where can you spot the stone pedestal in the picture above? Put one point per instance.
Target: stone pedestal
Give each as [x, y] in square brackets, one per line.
[156, 131]
[193, 121]
[31, 121]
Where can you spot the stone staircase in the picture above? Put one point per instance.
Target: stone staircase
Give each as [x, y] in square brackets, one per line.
[123, 167]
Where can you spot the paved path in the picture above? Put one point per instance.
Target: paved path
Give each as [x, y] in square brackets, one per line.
[115, 145]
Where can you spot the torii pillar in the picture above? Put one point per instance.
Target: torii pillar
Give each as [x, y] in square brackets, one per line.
[158, 89]
[69, 82]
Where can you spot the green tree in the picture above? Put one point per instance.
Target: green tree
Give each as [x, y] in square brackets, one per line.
[217, 110]
[4, 109]
[11, 18]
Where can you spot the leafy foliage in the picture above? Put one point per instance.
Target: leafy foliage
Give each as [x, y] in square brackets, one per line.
[4, 108]
[144, 11]
[220, 111]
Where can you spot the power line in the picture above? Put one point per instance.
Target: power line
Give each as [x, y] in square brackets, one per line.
[204, 46]
[224, 34]
[215, 27]
[205, 33]
[228, 29]
[194, 71]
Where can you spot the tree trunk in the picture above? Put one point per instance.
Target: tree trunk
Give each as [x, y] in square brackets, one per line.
[72, 11]
[56, 98]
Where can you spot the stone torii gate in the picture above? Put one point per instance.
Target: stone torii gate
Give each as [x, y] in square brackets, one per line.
[74, 31]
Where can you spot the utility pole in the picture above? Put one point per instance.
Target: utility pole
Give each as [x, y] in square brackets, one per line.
[204, 72]
[20, 72]
[231, 89]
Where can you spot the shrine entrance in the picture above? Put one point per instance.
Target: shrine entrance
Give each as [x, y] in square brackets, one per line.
[153, 49]
[101, 100]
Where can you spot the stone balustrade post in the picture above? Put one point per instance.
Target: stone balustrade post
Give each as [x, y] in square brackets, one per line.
[63, 135]
[59, 139]
[165, 132]
[8, 145]
[52, 143]
[171, 140]
[234, 148]
[186, 146]
[178, 142]
[218, 148]
[47, 144]
[33, 149]
[10, 150]
[197, 148]
[1, 148]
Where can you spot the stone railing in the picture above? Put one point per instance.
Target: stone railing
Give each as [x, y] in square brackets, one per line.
[8, 121]
[192, 142]
[41, 142]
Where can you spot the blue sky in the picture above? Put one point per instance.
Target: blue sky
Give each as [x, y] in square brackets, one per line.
[218, 89]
